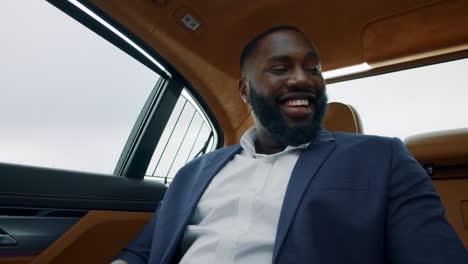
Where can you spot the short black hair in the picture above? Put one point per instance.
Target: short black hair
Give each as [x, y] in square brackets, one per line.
[250, 47]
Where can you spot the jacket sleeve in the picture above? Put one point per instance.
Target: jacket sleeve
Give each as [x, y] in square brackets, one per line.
[138, 251]
[416, 228]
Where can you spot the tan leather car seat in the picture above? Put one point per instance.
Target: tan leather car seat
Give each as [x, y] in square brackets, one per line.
[342, 118]
[444, 155]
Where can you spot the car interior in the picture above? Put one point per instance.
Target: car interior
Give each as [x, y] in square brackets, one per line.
[62, 215]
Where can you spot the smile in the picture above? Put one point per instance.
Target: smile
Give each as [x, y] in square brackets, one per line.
[297, 102]
[297, 99]
[296, 109]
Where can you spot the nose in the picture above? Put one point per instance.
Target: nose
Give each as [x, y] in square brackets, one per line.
[300, 78]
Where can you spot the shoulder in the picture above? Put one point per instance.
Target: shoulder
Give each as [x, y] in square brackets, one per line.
[217, 153]
[197, 169]
[221, 151]
[349, 139]
[210, 156]
[370, 144]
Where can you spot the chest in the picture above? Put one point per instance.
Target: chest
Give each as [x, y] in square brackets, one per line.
[247, 189]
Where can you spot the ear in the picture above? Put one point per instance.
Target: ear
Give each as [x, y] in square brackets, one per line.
[243, 89]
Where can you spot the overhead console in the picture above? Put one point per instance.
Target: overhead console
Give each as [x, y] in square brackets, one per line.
[439, 28]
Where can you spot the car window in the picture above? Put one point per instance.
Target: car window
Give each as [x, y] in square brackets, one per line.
[69, 98]
[187, 135]
[409, 102]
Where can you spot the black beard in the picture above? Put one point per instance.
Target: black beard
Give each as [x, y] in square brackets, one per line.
[270, 118]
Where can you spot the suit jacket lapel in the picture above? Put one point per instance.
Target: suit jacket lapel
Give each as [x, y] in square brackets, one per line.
[208, 171]
[306, 166]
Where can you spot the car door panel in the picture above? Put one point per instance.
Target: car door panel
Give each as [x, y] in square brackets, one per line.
[96, 238]
[32, 234]
[59, 216]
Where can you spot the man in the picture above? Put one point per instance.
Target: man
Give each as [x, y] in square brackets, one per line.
[292, 192]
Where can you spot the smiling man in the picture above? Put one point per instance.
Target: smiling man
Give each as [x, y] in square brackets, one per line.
[283, 83]
[292, 192]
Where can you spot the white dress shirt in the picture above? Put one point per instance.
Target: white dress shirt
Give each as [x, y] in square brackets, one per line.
[236, 219]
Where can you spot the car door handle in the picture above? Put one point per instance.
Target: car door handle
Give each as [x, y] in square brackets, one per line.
[6, 240]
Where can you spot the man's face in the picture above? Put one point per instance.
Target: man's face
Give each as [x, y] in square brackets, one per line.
[286, 88]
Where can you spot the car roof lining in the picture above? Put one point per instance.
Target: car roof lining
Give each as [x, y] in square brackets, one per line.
[365, 30]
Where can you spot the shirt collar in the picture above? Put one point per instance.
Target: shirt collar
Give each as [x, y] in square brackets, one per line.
[247, 142]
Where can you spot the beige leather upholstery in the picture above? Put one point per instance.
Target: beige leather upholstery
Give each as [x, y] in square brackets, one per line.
[445, 155]
[97, 238]
[342, 118]
[449, 147]
[379, 34]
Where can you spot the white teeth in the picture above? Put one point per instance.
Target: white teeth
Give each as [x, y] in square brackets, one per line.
[298, 102]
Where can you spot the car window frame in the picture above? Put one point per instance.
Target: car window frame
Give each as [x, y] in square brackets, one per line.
[147, 130]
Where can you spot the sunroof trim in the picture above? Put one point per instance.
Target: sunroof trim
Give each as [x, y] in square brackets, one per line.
[347, 70]
[120, 34]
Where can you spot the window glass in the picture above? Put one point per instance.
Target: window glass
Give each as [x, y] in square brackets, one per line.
[187, 135]
[409, 102]
[69, 98]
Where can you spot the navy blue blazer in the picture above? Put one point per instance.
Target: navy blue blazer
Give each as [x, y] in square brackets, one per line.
[351, 199]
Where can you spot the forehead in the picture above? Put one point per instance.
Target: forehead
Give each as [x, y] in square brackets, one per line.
[283, 43]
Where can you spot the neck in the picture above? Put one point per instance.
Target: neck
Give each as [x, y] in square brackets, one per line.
[265, 144]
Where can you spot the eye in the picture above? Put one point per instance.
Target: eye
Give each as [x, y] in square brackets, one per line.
[278, 70]
[314, 70]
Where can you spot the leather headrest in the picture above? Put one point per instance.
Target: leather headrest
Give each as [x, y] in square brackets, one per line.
[342, 118]
[442, 148]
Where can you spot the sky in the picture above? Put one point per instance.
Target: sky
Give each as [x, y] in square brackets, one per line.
[409, 102]
[69, 99]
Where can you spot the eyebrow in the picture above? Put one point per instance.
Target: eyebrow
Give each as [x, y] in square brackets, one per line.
[285, 58]
[282, 58]
[312, 55]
